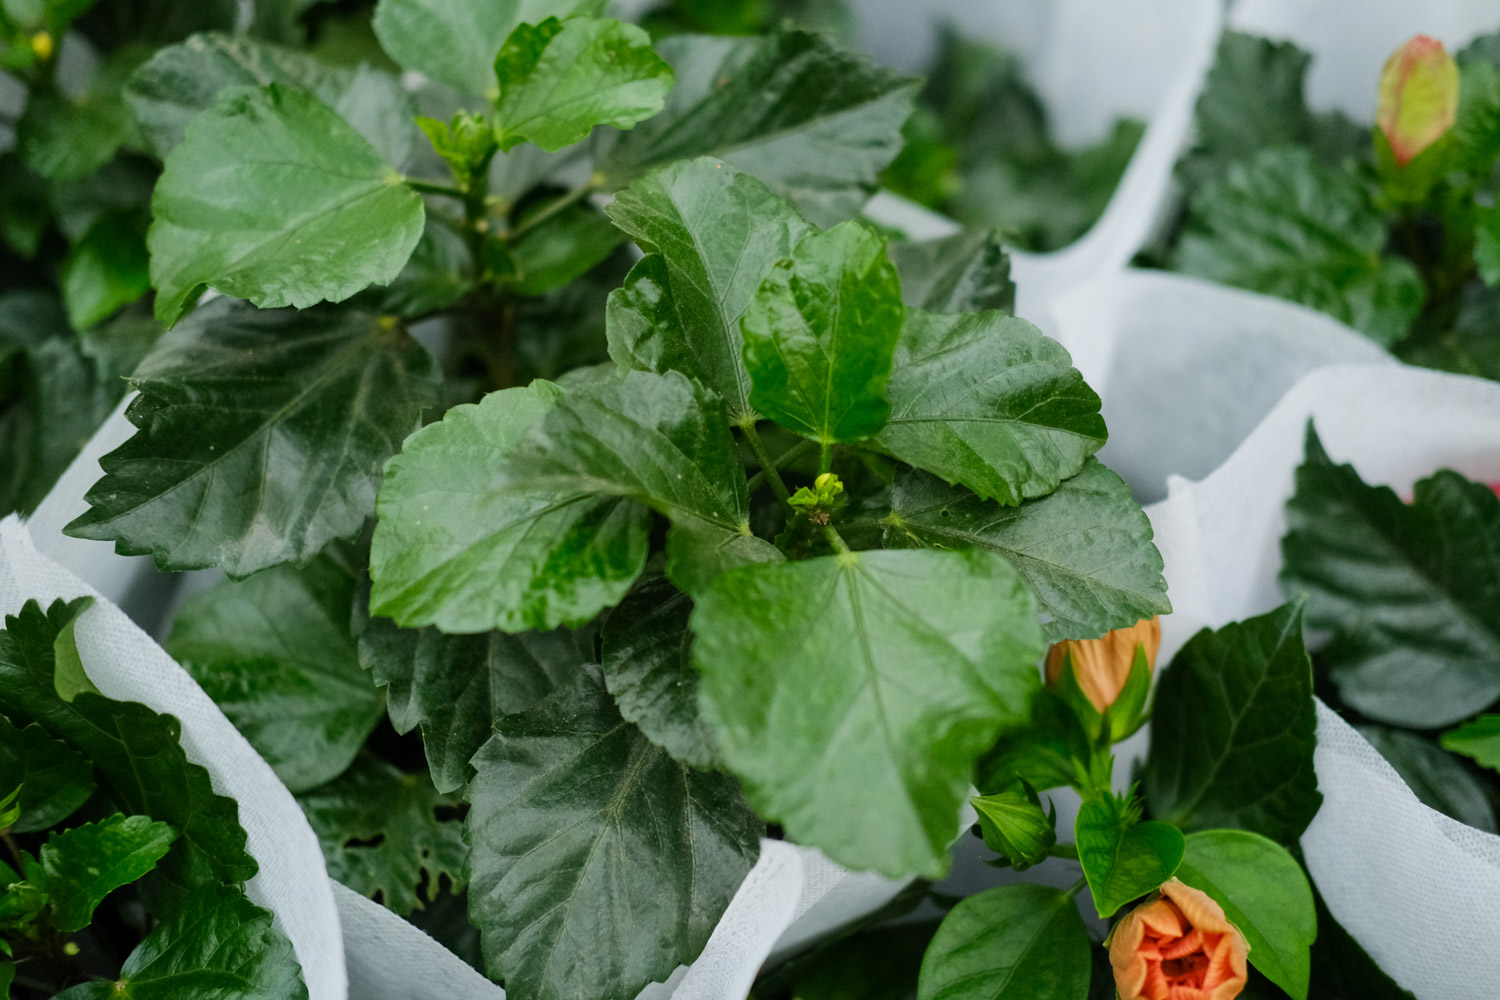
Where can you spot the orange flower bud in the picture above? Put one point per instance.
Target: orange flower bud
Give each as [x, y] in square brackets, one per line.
[1418, 97]
[1178, 946]
[1102, 665]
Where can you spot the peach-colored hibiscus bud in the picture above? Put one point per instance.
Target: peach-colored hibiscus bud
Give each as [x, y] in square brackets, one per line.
[1101, 666]
[1418, 97]
[1178, 946]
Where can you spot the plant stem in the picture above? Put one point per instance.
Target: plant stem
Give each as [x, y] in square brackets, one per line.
[432, 187]
[1077, 887]
[825, 457]
[1068, 851]
[836, 540]
[767, 464]
[561, 204]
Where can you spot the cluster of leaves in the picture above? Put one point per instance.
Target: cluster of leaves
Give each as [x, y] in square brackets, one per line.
[125, 875]
[1313, 208]
[980, 149]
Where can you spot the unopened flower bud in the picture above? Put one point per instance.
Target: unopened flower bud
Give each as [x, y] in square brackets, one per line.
[1101, 666]
[1418, 97]
[1178, 946]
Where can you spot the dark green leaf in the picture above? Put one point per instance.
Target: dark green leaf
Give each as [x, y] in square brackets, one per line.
[987, 401]
[1439, 779]
[272, 197]
[1014, 825]
[121, 21]
[1487, 245]
[382, 835]
[104, 271]
[1478, 738]
[78, 868]
[462, 544]
[438, 274]
[966, 272]
[816, 123]
[878, 964]
[55, 780]
[1410, 591]
[51, 16]
[819, 335]
[1264, 893]
[559, 250]
[1017, 942]
[118, 346]
[713, 234]
[1233, 729]
[274, 652]
[260, 436]
[852, 693]
[64, 139]
[1085, 550]
[1041, 751]
[648, 668]
[599, 863]
[1123, 857]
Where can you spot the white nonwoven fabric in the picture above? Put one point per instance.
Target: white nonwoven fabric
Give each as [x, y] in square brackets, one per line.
[1420, 892]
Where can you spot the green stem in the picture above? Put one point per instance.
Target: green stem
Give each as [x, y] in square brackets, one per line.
[1068, 851]
[825, 457]
[836, 540]
[431, 187]
[767, 464]
[1077, 887]
[561, 204]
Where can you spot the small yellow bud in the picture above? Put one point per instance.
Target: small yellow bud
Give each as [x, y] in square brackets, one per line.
[41, 44]
[1418, 97]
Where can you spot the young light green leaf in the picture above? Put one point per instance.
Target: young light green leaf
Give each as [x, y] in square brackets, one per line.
[272, 197]
[1439, 779]
[54, 778]
[1085, 549]
[819, 335]
[583, 831]
[1410, 591]
[1264, 893]
[1233, 730]
[382, 835]
[1478, 738]
[1017, 942]
[558, 79]
[274, 652]
[79, 867]
[965, 272]
[1014, 825]
[104, 271]
[1123, 857]
[986, 401]
[69, 678]
[238, 403]
[853, 693]
[712, 235]
[814, 122]
[462, 543]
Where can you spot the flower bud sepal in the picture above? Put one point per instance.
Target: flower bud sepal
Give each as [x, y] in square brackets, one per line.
[1014, 826]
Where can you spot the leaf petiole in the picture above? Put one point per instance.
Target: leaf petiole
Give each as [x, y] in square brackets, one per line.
[560, 205]
[836, 540]
[432, 187]
[767, 464]
[1069, 851]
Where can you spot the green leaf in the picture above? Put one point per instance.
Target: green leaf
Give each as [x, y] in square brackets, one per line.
[1487, 245]
[1085, 550]
[274, 652]
[583, 831]
[814, 122]
[1016, 942]
[852, 693]
[648, 667]
[1478, 738]
[965, 272]
[455, 686]
[152, 21]
[1014, 825]
[561, 249]
[138, 760]
[1264, 893]
[1283, 225]
[461, 543]
[455, 41]
[216, 943]
[10, 806]
[104, 271]
[712, 235]
[382, 834]
[183, 80]
[69, 678]
[78, 868]
[986, 401]
[1045, 751]
[819, 335]
[238, 403]
[272, 197]
[54, 778]
[51, 16]
[1439, 779]
[65, 139]
[1409, 590]
[438, 274]
[558, 79]
[7, 979]
[1123, 857]
[1233, 730]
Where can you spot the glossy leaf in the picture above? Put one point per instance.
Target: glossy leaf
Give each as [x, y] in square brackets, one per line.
[986, 401]
[382, 834]
[819, 335]
[104, 271]
[1013, 942]
[274, 652]
[852, 693]
[814, 122]
[1409, 590]
[1263, 893]
[272, 197]
[79, 867]
[464, 543]
[1085, 550]
[260, 437]
[1439, 779]
[1233, 730]
[54, 778]
[1122, 856]
[965, 272]
[1478, 738]
[712, 235]
[583, 831]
